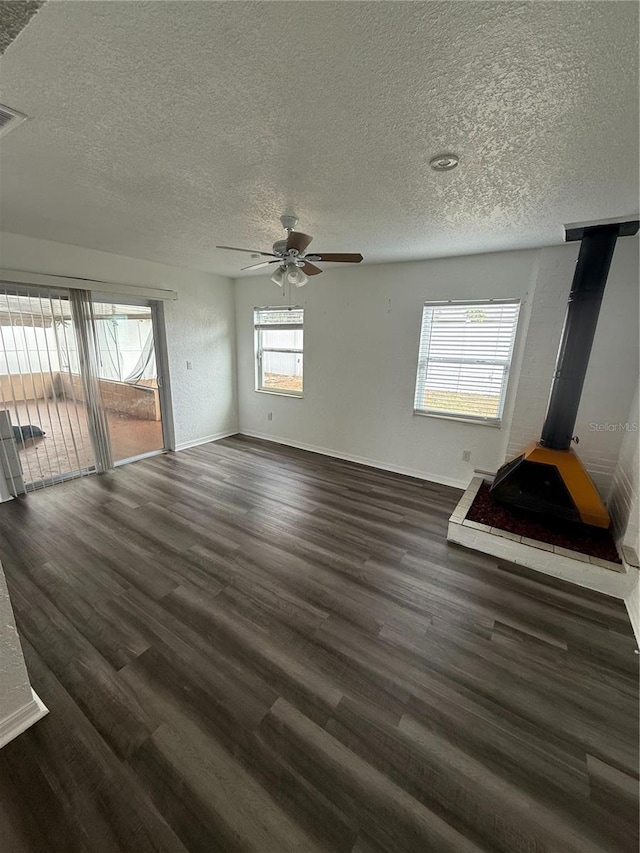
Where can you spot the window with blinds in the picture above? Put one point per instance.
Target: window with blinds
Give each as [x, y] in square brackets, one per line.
[279, 344]
[464, 359]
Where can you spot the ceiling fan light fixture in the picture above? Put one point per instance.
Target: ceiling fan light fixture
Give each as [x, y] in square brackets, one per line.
[294, 265]
[278, 277]
[295, 275]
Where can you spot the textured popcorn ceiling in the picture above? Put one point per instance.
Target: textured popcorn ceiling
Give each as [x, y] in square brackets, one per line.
[14, 17]
[160, 129]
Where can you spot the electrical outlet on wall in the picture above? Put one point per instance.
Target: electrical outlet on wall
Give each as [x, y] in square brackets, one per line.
[269, 416]
[189, 365]
[466, 456]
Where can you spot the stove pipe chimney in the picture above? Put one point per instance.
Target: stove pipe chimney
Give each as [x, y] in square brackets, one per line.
[590, 277]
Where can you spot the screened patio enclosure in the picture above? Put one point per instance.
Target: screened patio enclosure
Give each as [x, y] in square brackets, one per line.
[78, 381]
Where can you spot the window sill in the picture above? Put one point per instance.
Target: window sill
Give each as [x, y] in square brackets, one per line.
[459, 418]
[279, 393]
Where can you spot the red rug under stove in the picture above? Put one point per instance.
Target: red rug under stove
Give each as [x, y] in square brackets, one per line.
[576, 537]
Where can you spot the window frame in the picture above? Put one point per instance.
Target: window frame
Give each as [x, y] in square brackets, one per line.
[259, 349]
[422, 365]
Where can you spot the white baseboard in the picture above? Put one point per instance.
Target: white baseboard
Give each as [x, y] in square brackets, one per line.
[184, 445]
[22, 719]
[360, 460]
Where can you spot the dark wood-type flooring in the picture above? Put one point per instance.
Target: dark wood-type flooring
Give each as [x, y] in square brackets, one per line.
[246, 647]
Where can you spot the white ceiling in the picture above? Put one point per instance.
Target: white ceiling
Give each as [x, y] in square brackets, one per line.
[160, 129]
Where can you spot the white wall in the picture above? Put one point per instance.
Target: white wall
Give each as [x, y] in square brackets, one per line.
[15, 690]
[200, 325]
[19, 707]
[624, 500]
[201, 329]
[362, 328]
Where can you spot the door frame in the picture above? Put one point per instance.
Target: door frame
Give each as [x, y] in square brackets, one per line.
[162, 366]
[164, 378]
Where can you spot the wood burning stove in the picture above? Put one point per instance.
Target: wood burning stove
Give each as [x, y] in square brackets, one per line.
[549, 477]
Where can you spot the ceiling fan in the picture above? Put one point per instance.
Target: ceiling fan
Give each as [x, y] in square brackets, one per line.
[294, 266]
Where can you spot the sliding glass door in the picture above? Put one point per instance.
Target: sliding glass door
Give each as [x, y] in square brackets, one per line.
[44, 415]
[128, 378]
[78, 383]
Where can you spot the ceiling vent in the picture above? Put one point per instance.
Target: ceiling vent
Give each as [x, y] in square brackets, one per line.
[9, 119]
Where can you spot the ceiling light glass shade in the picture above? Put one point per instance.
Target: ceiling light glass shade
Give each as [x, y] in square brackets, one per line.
[278, 277]
[297, 276]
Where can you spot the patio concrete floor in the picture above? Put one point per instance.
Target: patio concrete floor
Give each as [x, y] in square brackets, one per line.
[66, 447]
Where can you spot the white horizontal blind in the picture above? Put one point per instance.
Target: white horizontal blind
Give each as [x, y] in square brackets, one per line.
[464, 359]
[279, 349]
[276, 317]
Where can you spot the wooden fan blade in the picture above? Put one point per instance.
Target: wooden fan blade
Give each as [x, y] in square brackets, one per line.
[262, 264]
[310, 269]
[298, 240]
[248, 251]
[343, 258]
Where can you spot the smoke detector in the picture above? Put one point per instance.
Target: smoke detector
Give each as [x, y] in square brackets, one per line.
[444, 162]
[9, 118]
